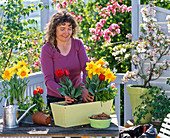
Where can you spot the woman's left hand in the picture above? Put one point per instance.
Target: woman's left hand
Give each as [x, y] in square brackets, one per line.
[85, 95]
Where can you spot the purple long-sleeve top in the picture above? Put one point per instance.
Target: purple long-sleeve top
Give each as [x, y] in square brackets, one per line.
[74, 61]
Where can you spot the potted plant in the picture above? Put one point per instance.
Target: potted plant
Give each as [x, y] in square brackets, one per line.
[38, 113]
[14, 82]
[151, 47]
[160, 104]
[98, 83]
[67, 88]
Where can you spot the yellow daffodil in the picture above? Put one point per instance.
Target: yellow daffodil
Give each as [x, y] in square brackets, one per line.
[7, 74]
[97, 69]
[90, 75]
[113, 78]
[15, 68]
[23, 72]
[90, 66]
[100, 62]
[108, 75]
[22, 63]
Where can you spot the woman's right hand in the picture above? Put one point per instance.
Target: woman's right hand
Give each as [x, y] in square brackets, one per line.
[68, 100]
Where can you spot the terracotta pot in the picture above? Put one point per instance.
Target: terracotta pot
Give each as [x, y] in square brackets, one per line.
[41, 119]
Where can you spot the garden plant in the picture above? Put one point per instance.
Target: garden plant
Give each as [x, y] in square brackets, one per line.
[20, 37]
[14, 82]
[153, 45]
[158, 101]
[109, 23]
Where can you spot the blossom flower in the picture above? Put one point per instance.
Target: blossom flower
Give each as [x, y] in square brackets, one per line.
[96, 69]
[102, 77]
[108, 75]
[98, 80]
[40, 90]
[36, 64]
[127, 55]
[91, 59]
[14, 80]
[7, 74]
[66, 72]
[59, 73]
[100, 62]
[90, 66]
[35, 92]
[129, 36]
[147, 51]
[113, 85]
[22, 63]
[23, 72]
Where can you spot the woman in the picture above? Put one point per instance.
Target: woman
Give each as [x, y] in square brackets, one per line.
[62, 51]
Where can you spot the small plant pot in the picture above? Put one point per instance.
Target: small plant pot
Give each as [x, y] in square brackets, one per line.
[41, 119]
[100, 123]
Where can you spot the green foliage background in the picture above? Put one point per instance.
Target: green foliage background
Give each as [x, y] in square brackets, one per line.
[18, 33]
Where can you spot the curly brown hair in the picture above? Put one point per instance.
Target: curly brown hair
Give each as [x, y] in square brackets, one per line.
[58, 18]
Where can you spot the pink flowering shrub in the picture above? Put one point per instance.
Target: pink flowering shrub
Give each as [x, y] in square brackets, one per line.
[151, 47]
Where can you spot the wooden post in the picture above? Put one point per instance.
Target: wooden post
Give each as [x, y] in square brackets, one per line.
[135, 19]
[44, 14]
[135, 35]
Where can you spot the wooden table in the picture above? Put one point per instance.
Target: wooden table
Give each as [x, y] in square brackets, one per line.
[33, 130]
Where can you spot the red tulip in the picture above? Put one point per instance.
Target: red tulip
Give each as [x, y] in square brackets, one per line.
[66, 72]
[59, 73]
[35, 92]
[101, 77]
[40, 90]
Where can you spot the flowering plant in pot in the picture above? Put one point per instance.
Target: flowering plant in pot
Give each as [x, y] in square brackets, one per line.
[99, 87]
[40, 115]
[98, 81]
[67, 88]
[146, 54]
[14, 82]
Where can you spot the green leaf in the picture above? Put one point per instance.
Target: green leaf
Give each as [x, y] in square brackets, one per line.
[78, 92]
[73, 92]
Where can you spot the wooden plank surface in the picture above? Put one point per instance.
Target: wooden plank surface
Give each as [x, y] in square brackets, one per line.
[34, 130]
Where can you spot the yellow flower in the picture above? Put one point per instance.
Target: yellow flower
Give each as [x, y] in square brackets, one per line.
[22, 64]
[90, 74]
[97, 69]
[100, 62]
[7, 74]
[113, 78]
[23, 72]
[90, 66]
[15, 68]
[108, 75]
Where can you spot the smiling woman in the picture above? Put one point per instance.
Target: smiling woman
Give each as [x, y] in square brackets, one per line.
[63, 35]
[62, 51]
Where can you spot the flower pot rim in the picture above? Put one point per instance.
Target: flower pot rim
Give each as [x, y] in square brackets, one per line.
[95, 123]
[62, 103]
[140, 86]
[99, 120]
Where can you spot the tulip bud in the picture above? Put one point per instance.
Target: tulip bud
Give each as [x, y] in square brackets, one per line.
[35, 92]
[101, 77]
[59, 73]
[40, 90]
[66, 72]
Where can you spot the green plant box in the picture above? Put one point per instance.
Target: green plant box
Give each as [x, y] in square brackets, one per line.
[77, 114]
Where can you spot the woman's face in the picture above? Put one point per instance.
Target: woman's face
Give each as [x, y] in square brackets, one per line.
[63, 32]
